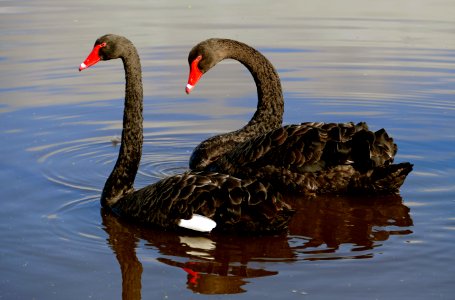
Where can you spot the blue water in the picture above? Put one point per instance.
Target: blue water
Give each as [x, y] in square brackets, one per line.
[389, 64]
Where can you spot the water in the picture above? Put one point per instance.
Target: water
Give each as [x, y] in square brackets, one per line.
[390, 64]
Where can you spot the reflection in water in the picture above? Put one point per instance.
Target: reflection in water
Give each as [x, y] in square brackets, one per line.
[217, 278]
[123, 242]
[357, 221]
[220, 264]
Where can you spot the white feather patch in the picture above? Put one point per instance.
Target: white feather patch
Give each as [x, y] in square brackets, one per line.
[198, 223]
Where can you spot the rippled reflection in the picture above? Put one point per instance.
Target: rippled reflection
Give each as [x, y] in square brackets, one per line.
[220, 264]
[362, 223]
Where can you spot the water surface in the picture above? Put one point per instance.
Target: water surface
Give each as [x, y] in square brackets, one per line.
[390, 64]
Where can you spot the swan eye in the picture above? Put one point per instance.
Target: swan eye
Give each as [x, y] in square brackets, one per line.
[103, 45]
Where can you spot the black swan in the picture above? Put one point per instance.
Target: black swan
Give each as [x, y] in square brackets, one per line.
[194, 200]
[270, 107]
[312, 158]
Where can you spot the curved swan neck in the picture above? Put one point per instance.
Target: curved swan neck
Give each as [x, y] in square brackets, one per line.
[270, 107]
[121, 179]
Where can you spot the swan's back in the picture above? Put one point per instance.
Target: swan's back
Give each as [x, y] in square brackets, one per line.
[319, 158]
[234, 204]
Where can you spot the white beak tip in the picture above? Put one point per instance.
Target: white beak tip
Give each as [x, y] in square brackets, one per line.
[188, 88]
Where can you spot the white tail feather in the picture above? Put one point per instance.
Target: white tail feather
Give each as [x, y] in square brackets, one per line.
[198, 223]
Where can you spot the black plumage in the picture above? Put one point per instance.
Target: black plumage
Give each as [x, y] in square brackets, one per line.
[310, 158]
[244, 205]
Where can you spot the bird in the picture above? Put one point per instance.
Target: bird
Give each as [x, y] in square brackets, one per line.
[270, 104]
[309, 158]
[196, 200]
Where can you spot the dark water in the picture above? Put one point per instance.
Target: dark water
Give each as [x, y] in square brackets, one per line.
[390, 64]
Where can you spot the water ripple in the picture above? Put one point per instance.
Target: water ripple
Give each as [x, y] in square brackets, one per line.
[80, 167]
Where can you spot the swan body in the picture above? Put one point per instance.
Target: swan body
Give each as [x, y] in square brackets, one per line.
[197, 200]
[310, 158]
[319, 158]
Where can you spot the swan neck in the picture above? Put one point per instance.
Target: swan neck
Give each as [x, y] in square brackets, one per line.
[121, 179]
[270, 106]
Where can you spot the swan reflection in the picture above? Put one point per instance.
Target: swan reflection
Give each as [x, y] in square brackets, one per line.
[322, 228]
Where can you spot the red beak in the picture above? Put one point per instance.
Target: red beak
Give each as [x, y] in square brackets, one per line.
[92, 58]
[195, 75]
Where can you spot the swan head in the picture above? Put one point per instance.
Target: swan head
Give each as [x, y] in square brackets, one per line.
[202, 58]
[109, 46]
